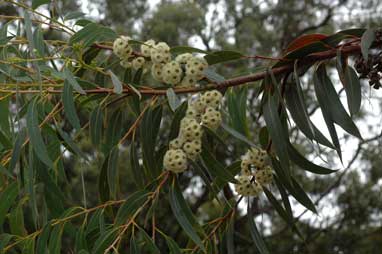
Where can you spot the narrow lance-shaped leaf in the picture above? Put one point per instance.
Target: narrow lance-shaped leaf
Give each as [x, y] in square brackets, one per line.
[367, 40]
[222, 56]
[16, 220]
[215, 167]
[104, 241]
[305, 164]
[138, 174]
[54, 245]
[7, 197]
[35, 137]
[130, 206]
[91, 33]
[134, 249]
[353, 90]
[37, 3]
[72, 81]
[39, 41]
[96, 122]
[255, 234]
[183, 214]
[185, 49]
[173, 100]
[237, 108]
[301, 196]
[297, 108]
[149, 243]
[351, 83]
[69, 108]
[17, 150]
[117, 85]
[296, 105]
[318, 79]
[337, 110]
[112, 171]
[276, 131]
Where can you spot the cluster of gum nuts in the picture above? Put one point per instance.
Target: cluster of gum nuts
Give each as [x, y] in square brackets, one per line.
[203, 111]
[254, 173]
[183, 71]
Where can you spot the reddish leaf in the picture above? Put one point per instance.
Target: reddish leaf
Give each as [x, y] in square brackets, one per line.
[303, 41]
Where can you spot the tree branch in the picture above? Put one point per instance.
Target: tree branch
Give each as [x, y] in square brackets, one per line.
[285, 68]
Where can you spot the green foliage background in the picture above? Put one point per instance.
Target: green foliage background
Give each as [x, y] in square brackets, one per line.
[49, 190]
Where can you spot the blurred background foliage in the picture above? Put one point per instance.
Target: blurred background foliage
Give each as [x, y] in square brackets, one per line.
[349, 202]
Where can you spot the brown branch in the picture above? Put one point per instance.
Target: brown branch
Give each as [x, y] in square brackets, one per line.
[282, 69]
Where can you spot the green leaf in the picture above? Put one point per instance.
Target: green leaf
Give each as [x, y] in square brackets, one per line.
[137, 81]
[7, 197]
[213, 76]
[264, 137]
[5, 239]
[280, 210]
[96, 123]
[16, 220]
[92, 33]
[284, 196]
[238, 135]
[184, 215]
[149, 243]
[37, 3]
[103, 183]
[69, 108]
[69, 77]
[276, 131]
[70, 144]
[237, 109]
[255, 234]
[28, 246]
[118, 88]
[307, 49]
[149, 130]
[215, 167]
[53, 195]
[138, 174]
[81, 243]
[35, 137]
[184, 49]
[173, 246]
[112, 171]
[202, 172]
[353, 90]
[336, 38]
[305, 164]
[334, 105]
[5, 116]
[104, 241]
[54, 245]
[178, 116]
[42, 241]
[300, 195]
[133, 246]
[296, 105]
[172, 99]
[321, 94]
[74, 15]
[284, 214]
[222, 56]
[367, 40]
[17, 150]
[39, 41]
[130, 206]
